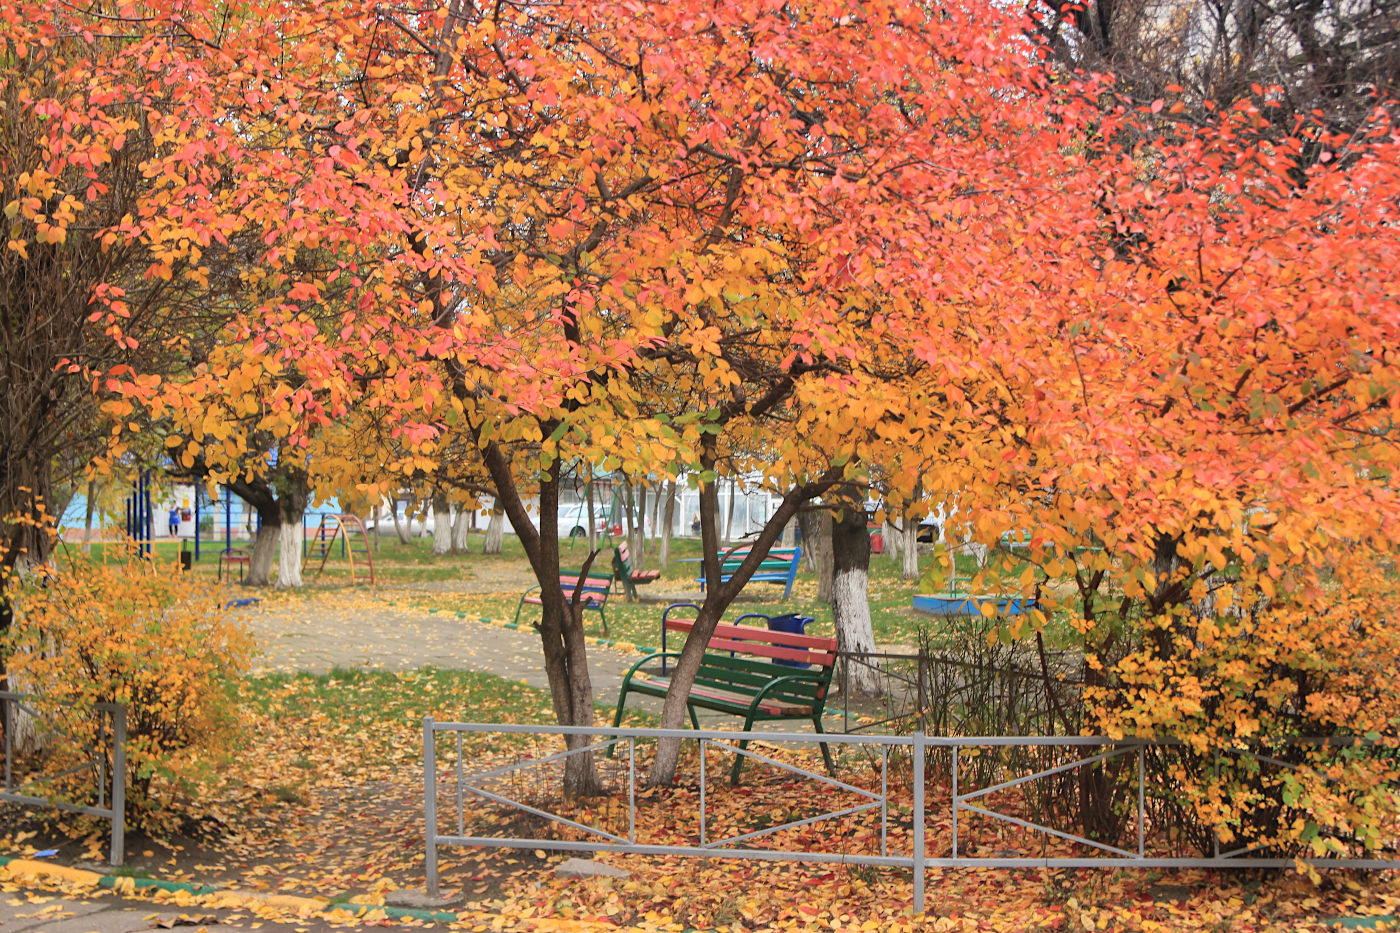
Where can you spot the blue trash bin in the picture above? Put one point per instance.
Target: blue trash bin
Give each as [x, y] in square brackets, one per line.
[793, 624]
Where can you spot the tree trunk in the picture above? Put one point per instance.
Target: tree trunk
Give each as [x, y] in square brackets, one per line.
[264, 550]
[656, 512]
[24, 486]
[667, 525]
[729, 519]
[461, 538]
[561, 624]
[259, 494]
[495, 533]
[291, 541]
[909, 549]
[398, 528]
[294, 492]
[816, 547]
[376, 515]
[87, 517]
[592, 516]
[640, 549]
[629, 525]
[442, 523]
[850, 605]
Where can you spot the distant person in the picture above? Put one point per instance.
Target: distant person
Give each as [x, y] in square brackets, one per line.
[174, 522]
[695, 524]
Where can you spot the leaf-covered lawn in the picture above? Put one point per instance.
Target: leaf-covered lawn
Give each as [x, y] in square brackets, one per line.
[324, 798]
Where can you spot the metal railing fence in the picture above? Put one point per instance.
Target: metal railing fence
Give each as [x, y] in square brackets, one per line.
[955, 809]
[104, 759]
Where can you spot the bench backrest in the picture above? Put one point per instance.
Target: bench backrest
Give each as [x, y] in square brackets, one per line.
[593, 583]
[624, 557]
[778, 558]
[765, 645]
[760, 657]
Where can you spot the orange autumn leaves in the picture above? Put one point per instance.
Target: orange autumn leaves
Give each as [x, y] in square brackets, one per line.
[581, 230]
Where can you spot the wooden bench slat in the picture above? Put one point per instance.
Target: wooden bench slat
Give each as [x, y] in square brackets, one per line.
[773, 652]
[586, 597]
[718, 656]
[631, 577]
[727, 680]
[769, 704]
[752, 633]
[739, 702]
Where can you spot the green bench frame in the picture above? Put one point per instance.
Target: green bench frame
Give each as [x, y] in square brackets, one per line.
[630, 579]
[739, 674]
[594, 596]
[779, 566]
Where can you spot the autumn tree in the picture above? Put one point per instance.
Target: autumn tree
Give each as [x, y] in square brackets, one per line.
[1201, 442]
[732, 204]
[95, 276]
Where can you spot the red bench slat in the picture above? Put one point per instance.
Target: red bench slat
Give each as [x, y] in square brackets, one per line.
[750, 633]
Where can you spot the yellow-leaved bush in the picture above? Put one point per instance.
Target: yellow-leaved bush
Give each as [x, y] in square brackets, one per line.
[148, 636]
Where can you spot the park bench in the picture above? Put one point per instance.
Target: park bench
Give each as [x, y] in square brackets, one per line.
[231, 556]
[593, 595]
[630, 577]
[746, 671]
[780, 566]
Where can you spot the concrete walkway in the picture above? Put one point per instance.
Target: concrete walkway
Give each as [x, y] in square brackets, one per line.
[320, 633]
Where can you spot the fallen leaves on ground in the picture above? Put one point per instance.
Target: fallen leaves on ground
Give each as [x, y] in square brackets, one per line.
[325, 800]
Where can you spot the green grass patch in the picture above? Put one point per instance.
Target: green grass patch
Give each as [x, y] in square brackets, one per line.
[348, 720]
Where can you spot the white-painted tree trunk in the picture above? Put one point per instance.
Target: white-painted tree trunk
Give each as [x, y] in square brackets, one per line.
[461, 531]
[495, 534]
[289, 554]
[264, 550]
[909, 550]
[442, 524]
[850, 602]
[850, 598]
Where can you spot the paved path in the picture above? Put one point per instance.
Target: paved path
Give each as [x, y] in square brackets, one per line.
[321, 632]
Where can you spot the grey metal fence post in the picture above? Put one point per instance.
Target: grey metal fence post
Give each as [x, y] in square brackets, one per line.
[923, 698]
[118, 854]
[955, 801]
[7, 727]
[1215, 831]
[1142, 803]
[430, 804]
[919, 748]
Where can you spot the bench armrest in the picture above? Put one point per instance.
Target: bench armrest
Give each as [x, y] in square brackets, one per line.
[627, 678]
[520, 606]
[779, 681]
